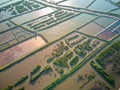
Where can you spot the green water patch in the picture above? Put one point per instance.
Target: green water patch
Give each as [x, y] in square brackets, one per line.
[116, 11]
[105, 21]
[102, 6]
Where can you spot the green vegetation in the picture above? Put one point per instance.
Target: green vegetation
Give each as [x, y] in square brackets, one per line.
[68, 54]
[81, 53]
[77, 41]
[110, 56]
[23, 58]
[51, 21]
[73, 37]
[74, 41]
[61, 13]
[90, 77]
[105, 75]
[83, 48]
[72, 71]
[65, 15]
[59, 70]
[23, 79]
[55, 83]
[89, 48]
[74, 60]
[116, 46]
[118, 2]
[86, 45]
[64, 77]
[22, 88]
[105, 54]
[58, 53]
[95, 43]
[38, 27]
[46, 70]
[59, 50]
[100, 85]
[36, 69]
[86, 78]
[14, 13]
[102, 57]
[36, 6]
[66, 48]
[10, 87]
[21, 9]
[50, 59]
[62, 61]
[28, 4]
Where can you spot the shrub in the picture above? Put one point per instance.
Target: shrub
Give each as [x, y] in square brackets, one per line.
[105, 75]
[74, 60]
[50, 59]
[21, 80]
[37, 68]
[10, 87]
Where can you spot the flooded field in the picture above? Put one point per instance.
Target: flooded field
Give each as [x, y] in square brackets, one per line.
[1, 1]
[104, 21]
[77, 3]
[59, 44]
[32, 15]
[13, 37]
[115, 1]
[49, 20]
[16, 52]
[40, 58]
[26, 67]
[107, 35]
[6, 26]
[75, 82]
[67, 26]
[116, 11]
[4, 3]
[91, 29]
[80, 81]
[16, 8]
[102, 6]
[7, 36]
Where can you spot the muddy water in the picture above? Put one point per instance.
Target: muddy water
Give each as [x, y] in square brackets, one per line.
[25, 67]
[19, 50]
[91, 29]
[72, 84]
[5, 37]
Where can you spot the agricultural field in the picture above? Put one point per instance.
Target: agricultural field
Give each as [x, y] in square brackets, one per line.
[13, 37]
[90, 77]
[63, 56]
[59, 44]
[7, 25]
[17, 7]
